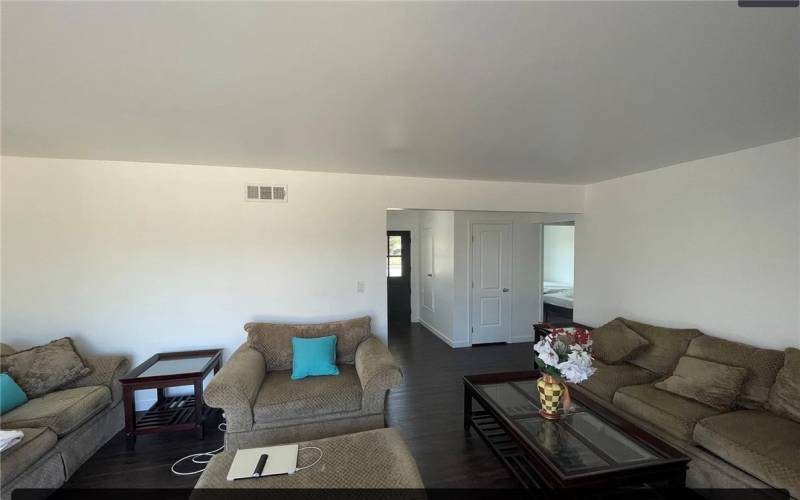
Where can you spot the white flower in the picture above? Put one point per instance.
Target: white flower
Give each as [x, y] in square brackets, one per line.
[574, 373]
[546, 353]
[577, 367]
[581, 357]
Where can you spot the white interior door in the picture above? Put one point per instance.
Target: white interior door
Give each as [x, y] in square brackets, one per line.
[427, 268]
[491, 283]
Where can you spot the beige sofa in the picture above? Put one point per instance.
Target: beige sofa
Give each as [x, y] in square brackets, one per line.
[64, 428]
[748, 446]
[262, 405]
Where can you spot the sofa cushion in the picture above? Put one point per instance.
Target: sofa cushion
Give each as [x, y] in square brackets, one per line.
[378, 462]
[282, 398]
[667, 345]
[33, 446]
[45, 368]
[274, 340]
[60, 411]
[707, 382]
[784, 398]
[609, 378]
[667, 412]
[614, 342]
[762, 365]
[758, 442]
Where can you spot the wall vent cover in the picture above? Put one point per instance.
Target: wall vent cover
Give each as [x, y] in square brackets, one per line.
[276, 193]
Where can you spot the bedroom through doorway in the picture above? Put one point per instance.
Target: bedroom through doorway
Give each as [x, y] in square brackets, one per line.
[558, 272]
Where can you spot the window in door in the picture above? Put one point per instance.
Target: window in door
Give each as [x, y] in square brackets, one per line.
[394, 256]
[398, 275]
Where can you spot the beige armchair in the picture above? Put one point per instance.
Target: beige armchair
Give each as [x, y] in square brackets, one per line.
[263, 406]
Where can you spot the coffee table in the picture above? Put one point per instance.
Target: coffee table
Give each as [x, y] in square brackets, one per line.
[591, 447]
[162, 370]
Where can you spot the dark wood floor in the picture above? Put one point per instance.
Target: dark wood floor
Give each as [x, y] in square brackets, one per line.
[427, 409]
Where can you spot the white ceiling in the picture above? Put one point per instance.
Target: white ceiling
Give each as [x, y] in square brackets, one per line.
[551, 92]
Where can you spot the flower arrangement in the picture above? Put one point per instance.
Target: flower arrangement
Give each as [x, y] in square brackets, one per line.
[566, 354]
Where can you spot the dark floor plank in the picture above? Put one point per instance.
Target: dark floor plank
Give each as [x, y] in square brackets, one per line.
[426, 409]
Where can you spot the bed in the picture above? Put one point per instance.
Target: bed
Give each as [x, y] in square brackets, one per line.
[557, 302]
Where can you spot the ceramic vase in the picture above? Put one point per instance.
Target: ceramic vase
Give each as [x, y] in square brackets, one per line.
[550, 393]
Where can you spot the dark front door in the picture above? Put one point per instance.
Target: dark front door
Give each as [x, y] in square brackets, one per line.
[398, 275]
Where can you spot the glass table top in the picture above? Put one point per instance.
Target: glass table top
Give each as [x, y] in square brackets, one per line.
[175, 366]
[578, 443]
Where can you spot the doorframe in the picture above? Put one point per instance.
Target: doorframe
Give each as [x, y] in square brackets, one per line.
[541, 271]
[568, 222]
[471, 278]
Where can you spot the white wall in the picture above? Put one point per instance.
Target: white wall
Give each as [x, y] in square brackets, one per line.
[439, 318]
[558, 248]
[136, 258]
[712, 244]
[408, 220]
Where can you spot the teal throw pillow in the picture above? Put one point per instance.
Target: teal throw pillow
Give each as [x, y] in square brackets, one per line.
[313, 357]
[11, 395]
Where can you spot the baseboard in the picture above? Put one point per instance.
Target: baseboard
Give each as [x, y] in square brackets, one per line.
[517, 340]
[443, 337]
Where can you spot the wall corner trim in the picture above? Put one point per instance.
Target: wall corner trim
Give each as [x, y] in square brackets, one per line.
[442, 336]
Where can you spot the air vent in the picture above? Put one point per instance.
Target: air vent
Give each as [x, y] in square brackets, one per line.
[279, 193]
[257, 192]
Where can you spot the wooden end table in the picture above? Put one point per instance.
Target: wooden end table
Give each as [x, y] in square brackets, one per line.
[162, 370]
[543, 329]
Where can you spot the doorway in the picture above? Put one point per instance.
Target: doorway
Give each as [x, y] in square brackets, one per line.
[558, 272]
[398, 276]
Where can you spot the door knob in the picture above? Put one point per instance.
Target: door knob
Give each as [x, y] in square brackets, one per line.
[506, 290]
[430, 275]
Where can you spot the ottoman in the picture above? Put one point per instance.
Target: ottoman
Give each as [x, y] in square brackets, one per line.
[377, 459]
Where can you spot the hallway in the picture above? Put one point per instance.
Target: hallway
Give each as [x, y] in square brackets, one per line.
[427, 408]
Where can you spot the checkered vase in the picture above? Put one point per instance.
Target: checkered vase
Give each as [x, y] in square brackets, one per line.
[550, 393]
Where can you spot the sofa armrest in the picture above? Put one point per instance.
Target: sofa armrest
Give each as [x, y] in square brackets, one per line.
[235, 387]
[378, 372]
[106, 370]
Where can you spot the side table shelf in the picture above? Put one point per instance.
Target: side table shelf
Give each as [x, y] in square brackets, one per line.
[174, 413]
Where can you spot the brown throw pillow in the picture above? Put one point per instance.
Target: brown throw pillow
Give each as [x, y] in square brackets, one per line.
[784, 397]
[666, 347]
[712, 384]
[43, 369]
[614, 342]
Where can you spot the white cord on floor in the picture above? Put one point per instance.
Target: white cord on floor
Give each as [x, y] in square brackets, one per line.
[196, 457]
[200, 458]
[315, 461]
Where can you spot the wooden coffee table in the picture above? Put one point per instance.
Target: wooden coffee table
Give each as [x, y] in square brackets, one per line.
[162, 370]
[590, 447]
